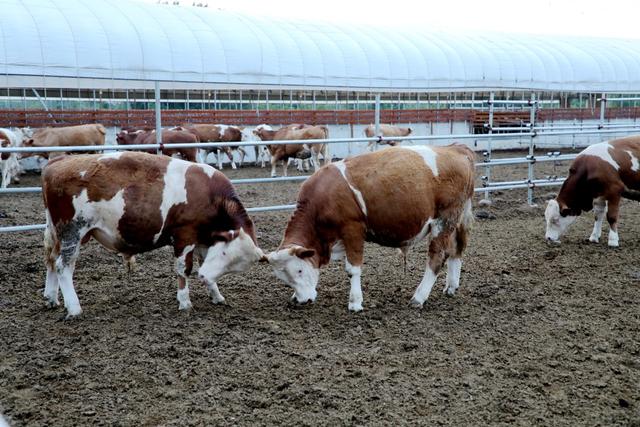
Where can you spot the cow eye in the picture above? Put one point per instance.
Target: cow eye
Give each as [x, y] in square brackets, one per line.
[299, 271]
[224, 253]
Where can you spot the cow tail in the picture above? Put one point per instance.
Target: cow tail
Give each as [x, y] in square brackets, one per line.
[630, 194]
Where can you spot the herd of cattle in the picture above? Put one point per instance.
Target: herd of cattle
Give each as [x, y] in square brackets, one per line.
[132, 202]
[95, 134]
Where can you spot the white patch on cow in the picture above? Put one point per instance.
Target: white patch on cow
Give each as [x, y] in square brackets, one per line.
[103, 215]
[432, 228]
[342, 167]
[234, 256]
[207, 169]
[174, 191]
[108, 156]
[214, 293]
[454, 266]
[601, 150]
[557, 224]
[428, 155]
[297, 273]
[338, 251]
[355, 293]
[82, 174]
[635, 165]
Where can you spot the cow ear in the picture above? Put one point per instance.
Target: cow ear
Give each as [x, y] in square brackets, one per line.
[302, 253]
[224, 236]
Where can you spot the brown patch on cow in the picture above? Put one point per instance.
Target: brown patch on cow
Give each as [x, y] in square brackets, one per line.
[146, 137]
[68, 136]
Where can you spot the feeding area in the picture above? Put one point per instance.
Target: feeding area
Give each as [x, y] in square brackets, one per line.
[538, 332]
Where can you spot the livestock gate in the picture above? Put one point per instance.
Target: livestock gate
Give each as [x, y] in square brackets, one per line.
[489, 91]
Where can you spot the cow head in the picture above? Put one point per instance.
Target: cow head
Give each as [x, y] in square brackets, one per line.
[558, 218]
[293, 266]
[231, 251]
[260, 129]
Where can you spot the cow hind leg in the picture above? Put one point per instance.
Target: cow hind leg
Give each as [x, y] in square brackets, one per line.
[51, 285]
[458, 244]
[612, 219]
[64, 267]
[230, 156]
[600, 210]
[184, 265]
[437, 255]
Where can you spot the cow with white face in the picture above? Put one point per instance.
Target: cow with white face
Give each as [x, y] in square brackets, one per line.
[599, 178]
[396, 198]
[136, 202]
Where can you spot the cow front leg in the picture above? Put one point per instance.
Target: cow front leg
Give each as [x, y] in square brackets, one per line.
[600, 210]
[274, 160]
[355, 293]
[184, 264]
[454, 267]
[612, 219]
[214, 293]
[353, 241]
[219, 159]
[285, 163]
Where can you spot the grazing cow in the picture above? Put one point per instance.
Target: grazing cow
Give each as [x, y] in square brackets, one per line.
[294, 132]
[11, 168]
[598, 178]
[137, 202]
[396, 198]
[135, 137]
[69, 136]
[385, 131]
[219, 133]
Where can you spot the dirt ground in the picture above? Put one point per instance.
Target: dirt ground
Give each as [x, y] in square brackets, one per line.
[537, 334]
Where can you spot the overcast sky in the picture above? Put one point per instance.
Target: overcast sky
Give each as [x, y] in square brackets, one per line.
[607, 18]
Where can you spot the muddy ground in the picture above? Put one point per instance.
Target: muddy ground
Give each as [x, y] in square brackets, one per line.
[537, 335]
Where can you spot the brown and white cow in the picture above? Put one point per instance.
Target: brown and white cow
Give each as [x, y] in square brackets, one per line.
[135, 137]
[385, 131]
[69, 136]
[396, 198]
[220, 133]
[9, 163]
[294, 132]
[598, 178]
[137, 202]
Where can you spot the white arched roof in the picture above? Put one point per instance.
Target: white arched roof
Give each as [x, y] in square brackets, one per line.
[124, 43]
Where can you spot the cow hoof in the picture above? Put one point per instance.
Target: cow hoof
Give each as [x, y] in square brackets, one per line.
[449, 291]
[50, 303]
[221, 301]
[71, 316]
[594, 239]
[614, 245]
[185, 306]
[355, 307]
[415, 303]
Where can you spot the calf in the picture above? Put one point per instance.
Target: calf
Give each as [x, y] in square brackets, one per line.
[386, 131]
[135, 137]
[10, 165]
[294, 132]
[598, 178]
[219, 133]
[137, 202]
[396, 197]
[69, 136]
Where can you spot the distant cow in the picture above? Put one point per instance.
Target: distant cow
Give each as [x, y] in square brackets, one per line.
[135, 137]
[395, 197]
[294, 132]
[598, 178]
[70, 136]
[137, 202]
[220, 133]
[10, 165]
[386, 131]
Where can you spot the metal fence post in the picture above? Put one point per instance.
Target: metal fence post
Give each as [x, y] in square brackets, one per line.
[532, 122]
[158, 119]
[377, 121]
[488, 156]
[603, 106]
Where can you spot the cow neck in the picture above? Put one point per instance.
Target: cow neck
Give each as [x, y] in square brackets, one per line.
[239, 217]
[301, 231]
